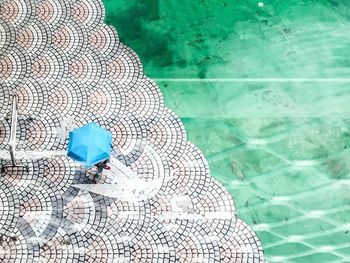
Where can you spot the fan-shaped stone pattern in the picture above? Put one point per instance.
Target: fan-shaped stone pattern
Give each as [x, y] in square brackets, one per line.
[72, 39]
[105, 40]
[15, 65]
[197, 246]
[217, 200]
[35, 37]
[4, 99]
[18, 12]
[89, 13]
[17, 247]
[124, 66]
[189, 173]
[155, 245]
[151, 166]
[168, 135]
[59, 173]
[106, 247]
[129, 137]
[40, 210]
[9, 208]
[7, 37]
[241, 245]
[129, 219]
[106, 99]
[26, 182]
[67, 69]
[32, 97]
[145, 101]
[88, 68]
[85, 118]
[67, 99]
[52, 12]
[4, 133]
[51, 67]
[65, 246]
[40, 134]
[84, 213]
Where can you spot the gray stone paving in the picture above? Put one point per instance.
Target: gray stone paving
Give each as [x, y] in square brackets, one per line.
[68, 68]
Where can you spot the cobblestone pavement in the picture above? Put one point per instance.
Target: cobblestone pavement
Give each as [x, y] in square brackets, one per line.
[68, 68]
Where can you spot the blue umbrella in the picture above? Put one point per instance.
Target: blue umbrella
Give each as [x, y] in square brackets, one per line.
[90, 144]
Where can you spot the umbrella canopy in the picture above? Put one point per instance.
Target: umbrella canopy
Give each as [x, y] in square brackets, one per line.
[90, 144]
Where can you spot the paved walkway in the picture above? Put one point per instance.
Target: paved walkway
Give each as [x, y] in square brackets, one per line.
[68, 68]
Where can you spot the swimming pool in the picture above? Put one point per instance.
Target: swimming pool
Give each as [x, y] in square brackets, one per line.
[263, 90]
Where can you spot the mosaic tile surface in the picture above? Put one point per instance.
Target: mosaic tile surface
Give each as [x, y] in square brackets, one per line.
[68, 68]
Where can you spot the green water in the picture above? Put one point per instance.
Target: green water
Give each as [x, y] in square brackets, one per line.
[252, 85]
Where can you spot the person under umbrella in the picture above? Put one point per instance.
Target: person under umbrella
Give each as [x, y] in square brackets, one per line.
[90, 145]
[100, 166]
